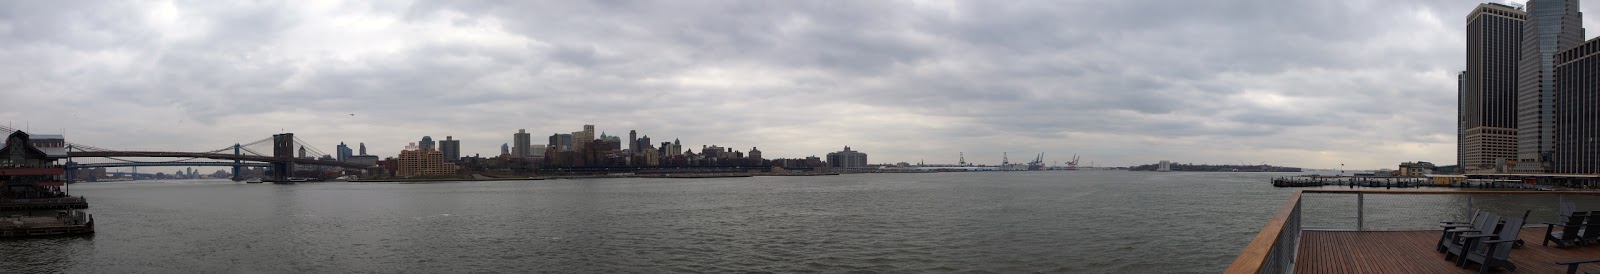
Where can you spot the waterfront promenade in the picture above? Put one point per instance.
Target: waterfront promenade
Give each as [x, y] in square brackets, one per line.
[1395, 231]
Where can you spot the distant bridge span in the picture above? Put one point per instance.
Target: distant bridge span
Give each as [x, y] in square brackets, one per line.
[133, 164]
[218, 156]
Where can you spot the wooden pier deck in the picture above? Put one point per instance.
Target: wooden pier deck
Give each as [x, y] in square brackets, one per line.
[1412, 252]
[66, 223]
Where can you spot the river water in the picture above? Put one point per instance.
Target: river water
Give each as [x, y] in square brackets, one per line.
[1006, 222]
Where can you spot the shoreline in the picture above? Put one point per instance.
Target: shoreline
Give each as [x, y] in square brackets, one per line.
[596, 176]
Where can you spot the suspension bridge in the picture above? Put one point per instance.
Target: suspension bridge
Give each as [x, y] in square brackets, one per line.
[284, 153]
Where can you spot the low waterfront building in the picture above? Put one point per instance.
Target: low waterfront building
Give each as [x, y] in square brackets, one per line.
[367, 160]
[1415, 169]
[416, 162]
[30, 177]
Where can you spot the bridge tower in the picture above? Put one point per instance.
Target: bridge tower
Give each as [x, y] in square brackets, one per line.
[236, 167]
[283, 151]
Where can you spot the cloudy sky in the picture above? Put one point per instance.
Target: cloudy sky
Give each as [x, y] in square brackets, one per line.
[1298, 83]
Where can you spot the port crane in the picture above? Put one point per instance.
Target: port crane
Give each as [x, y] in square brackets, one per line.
[1073, 165]
[1037, 163]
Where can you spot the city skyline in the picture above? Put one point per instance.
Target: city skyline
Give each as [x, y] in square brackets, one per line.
[1298, 83]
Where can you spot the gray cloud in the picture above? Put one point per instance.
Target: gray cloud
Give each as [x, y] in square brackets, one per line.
[1307, 83]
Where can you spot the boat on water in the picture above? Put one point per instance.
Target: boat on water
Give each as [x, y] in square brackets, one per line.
[253, 181]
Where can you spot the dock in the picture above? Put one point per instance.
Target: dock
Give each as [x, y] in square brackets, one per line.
[1396, 231]
[1401, 182]
[70, 222]
[796, 174]
[693, 175]
[1412, 252]
[44, 203]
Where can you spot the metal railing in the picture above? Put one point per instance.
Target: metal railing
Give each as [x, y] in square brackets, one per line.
[1393, 210]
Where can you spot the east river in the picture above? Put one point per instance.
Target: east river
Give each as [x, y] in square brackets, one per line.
[1006, 222]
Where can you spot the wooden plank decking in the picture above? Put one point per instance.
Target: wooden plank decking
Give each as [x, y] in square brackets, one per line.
[1412, 252]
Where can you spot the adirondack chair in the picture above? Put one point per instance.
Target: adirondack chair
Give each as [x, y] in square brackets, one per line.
[1456, 245]
[1490, 254]
[1475, 214]
[1591, 229]
[1569, 209]
[1477, 218]
[1572, 266]
[1569, 234]
[1519, 242]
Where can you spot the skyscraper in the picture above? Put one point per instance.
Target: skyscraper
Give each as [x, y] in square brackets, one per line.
[1494, 39]
[1461, 120]
[451, 148]
[633, 141]
[582, 138]
[505, 149]
[342, 151]
[363, 148]
[1578, 88]
[520, 143]
[426, 143]
[554, 141]
[1552, 25]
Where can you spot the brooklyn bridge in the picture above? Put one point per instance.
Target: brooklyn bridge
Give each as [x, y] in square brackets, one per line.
[284, 152]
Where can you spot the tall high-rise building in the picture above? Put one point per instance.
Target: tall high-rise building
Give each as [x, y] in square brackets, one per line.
[1551, 26]
[554, 141]
[1461, 120]
[505, 149]
[521, 142]
[1494, 40]
[582, 138]
[426, 143]
[536, 151]
[847, 158]
[633, 141]
[565, 141]
[451, 149]
[342, 151]
[1578, 128]
[363, 148]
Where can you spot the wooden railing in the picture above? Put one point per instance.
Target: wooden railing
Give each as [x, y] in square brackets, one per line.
[1272, 250]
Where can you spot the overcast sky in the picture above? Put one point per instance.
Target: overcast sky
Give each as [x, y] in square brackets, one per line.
[1300, 83]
